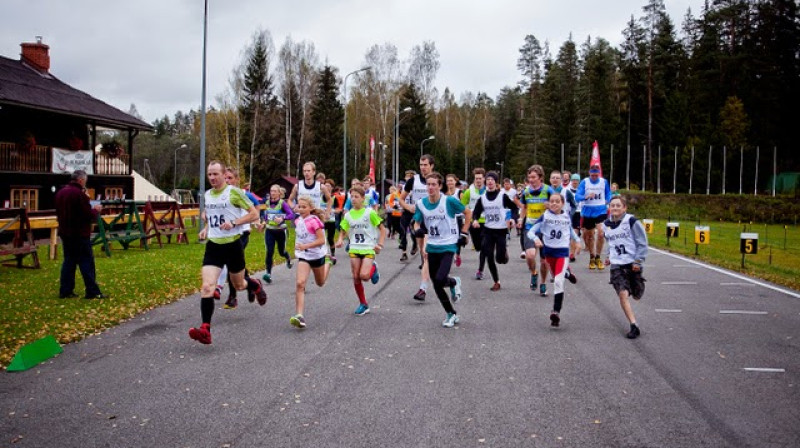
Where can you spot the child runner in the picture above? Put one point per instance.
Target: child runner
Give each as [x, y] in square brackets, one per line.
[310, 250]
[278, 213]
[222, 228]
[492, 205]
[451, 181]
[364, 227]
[552, 233]
[625, 253]
[438, 212]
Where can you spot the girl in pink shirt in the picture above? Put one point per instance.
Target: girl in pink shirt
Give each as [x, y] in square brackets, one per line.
[310, 250]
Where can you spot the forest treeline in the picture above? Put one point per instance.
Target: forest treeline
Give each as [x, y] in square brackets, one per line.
[724, 82]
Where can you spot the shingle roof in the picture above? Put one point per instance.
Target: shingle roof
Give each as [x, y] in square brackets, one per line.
[21, 85]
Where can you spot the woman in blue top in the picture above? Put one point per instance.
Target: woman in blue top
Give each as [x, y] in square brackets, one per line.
[278, 213]
[438, 213]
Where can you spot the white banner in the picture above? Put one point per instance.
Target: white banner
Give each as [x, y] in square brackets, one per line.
[66, 162]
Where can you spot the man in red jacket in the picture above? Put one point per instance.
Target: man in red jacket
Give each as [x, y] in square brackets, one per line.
[75, 218]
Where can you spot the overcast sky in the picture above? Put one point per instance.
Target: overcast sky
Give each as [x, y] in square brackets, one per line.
[149, 52]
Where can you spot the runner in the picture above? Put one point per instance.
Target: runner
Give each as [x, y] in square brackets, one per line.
[493, 205]
[535, 196]
[626, 253]
[438, 212]
[317, 190]
[575, 179]
[417, 188]
[365, 229]
[222, 229]
[451, 181]
[512, 215]
[232, 178]
[310, 250]
[406, 218]
[552, 234]
[330, 221]
[594, 192]
[278, 213]
[393, 212]
[568, 205]
[469, 199]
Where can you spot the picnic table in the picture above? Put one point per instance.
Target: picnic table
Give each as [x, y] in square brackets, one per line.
[22, 243]
[124, 227]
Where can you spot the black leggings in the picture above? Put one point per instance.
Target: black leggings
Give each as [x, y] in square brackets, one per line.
[405, 226]
[494, 248]
[476, 235]
[271, 238]
[439, 270]
[330, 232]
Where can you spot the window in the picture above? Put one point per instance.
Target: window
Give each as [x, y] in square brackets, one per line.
[25, 197]
[113, 193]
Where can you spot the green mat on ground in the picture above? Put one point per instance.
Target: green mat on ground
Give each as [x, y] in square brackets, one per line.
[34, 353]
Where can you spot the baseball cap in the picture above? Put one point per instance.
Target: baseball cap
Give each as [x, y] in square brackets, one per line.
[575, 176]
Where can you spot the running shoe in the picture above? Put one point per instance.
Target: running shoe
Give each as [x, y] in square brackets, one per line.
[298, 321]
[554, 319]
[450, 321]
[458, 261]
[333, 260]
[634, 333]
[231, 303]
[420, 295]
[362, 310]
[592, 264]
[534, 281]
[413, 251]
[455, 291]
[478, 275]
[495, 287]
[599, 263]
[288, 262]
[261, 294]
[543, 290]
[571, 276]
[522, 255]
[267, 277]
[217, 293]
[572, 258]
[404, 257]
[202, 334]
[421, 264]
[375, 274]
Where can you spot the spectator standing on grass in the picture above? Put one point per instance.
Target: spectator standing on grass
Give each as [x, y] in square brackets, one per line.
[75, 218]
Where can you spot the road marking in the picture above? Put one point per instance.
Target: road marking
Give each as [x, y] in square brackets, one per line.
[761, 313]
[735, 284]
[731, 274]
[668, 311]
[764, 369]
[678, 283]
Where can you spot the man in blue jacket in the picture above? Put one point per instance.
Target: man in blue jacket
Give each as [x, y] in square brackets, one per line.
[595, 193]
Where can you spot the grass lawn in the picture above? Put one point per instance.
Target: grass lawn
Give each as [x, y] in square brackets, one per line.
[777, 260]
[137, 280]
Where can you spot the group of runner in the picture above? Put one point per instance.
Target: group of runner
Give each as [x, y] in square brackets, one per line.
[439, 219]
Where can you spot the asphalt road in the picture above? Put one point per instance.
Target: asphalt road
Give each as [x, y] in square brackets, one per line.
[395, 377]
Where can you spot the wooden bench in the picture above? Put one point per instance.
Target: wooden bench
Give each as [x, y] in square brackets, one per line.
[22, 244]
[164, 218]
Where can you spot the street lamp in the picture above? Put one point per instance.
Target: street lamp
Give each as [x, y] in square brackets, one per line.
[344, 139]
[397, 137]
[501, 165]
[175, 167]
[432, 137]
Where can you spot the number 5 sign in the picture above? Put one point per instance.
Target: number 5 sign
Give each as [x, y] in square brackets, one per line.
[748, 244]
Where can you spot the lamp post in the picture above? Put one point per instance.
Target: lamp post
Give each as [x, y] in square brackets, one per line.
[344, 134]
[397, 136]
[501, 165]
[432, 137]
[175, 167]
[201, 193]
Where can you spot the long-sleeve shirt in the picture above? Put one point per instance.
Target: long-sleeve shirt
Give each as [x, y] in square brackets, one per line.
[639, 238]
[74, 212]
